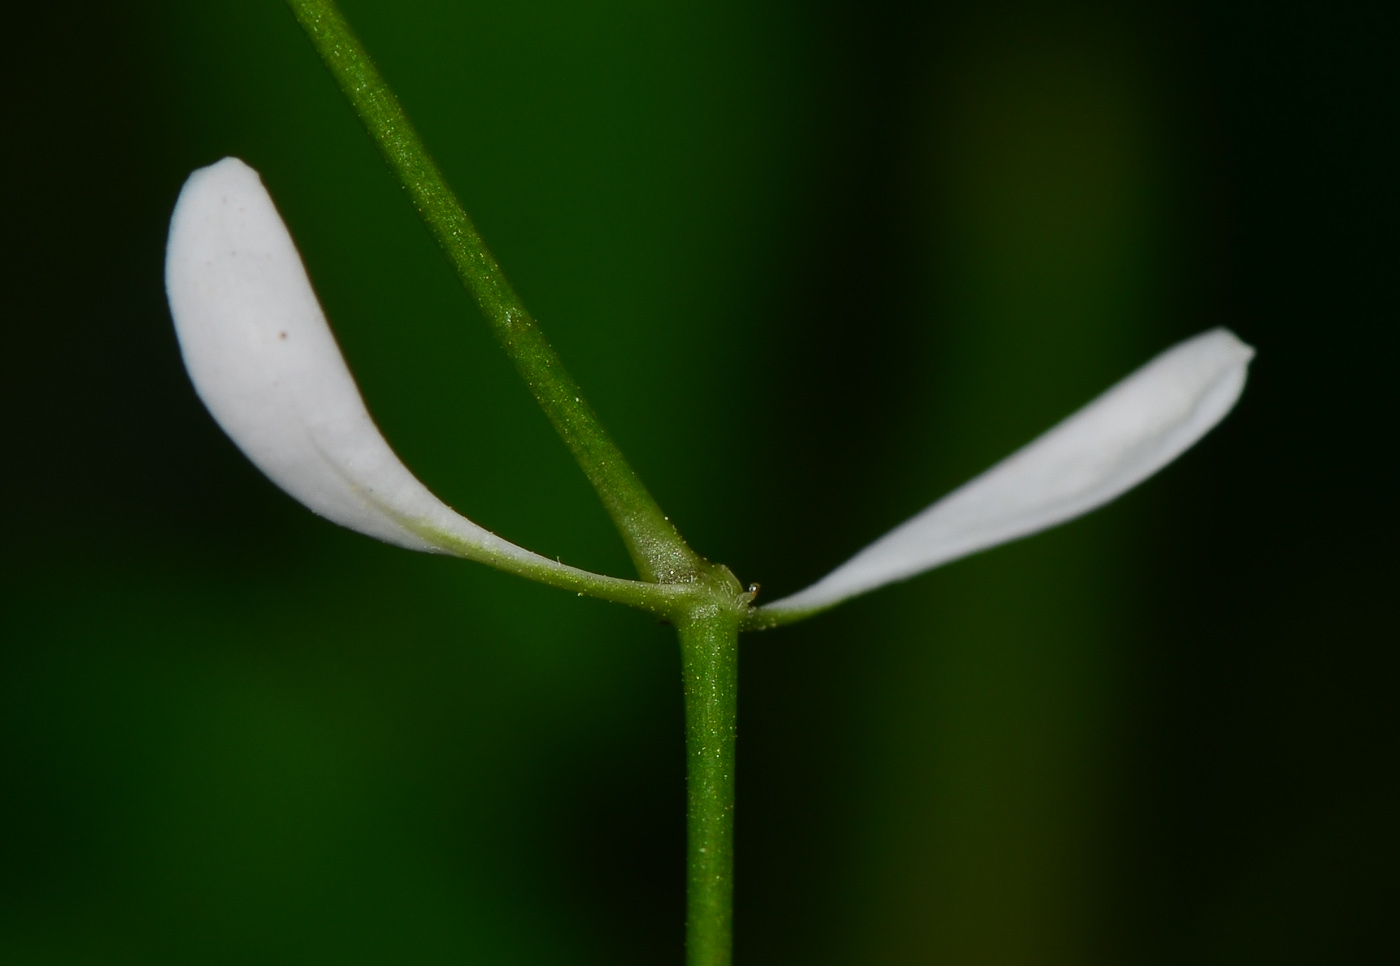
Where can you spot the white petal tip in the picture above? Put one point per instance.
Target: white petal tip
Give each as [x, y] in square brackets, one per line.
[263, 360]
[1112, 444]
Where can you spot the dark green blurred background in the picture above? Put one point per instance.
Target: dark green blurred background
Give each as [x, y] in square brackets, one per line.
[815, 263]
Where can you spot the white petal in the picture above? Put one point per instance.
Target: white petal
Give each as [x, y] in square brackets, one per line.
[1106, 448]
[263, 359]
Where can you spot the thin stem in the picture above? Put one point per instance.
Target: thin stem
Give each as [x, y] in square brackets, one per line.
[707, 611]
[710, 672]
[656, 547]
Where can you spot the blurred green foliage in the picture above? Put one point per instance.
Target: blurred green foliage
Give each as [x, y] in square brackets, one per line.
[815, 264]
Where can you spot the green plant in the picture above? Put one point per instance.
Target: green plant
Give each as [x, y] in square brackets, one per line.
[263, 359]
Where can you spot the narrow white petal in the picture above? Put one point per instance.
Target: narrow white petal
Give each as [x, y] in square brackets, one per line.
[263, 360]
[1104, 449]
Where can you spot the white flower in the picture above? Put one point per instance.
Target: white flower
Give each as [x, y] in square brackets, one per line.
[263, 360]
[1108, 447]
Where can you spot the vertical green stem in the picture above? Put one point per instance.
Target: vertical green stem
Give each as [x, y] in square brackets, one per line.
[654, 544]
[710, 672]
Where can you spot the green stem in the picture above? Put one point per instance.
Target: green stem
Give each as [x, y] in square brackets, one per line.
[707, 610]
[656, 547]
[710, 672]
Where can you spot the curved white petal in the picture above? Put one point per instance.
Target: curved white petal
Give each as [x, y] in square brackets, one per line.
[1104, 449]
[263, 360]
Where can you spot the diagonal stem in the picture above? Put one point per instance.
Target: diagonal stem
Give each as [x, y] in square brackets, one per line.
[656, 547]
[708, 620]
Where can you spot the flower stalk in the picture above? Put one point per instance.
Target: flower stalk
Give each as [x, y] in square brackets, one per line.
[656, 548]
[710, 677]
[264, 361]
